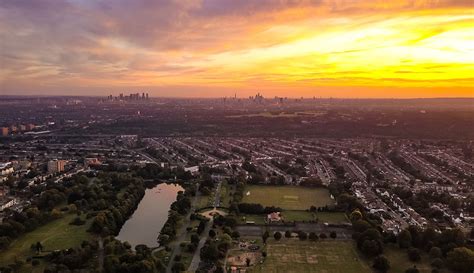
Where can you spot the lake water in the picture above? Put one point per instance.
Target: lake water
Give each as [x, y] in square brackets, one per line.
[145, 224]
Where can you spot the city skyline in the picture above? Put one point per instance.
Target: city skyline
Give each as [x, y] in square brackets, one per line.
[340, 49]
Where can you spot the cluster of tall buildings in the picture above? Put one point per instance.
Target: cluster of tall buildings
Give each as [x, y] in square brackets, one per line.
[12, 129]
[130, 97]
[257, 98]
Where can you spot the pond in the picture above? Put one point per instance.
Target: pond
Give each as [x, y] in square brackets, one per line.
[144, 226]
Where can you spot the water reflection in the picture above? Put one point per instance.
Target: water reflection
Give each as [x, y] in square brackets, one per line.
[150, 216]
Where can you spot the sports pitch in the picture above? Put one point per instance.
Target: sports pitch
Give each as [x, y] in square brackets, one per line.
[290, 255]
[287, 197]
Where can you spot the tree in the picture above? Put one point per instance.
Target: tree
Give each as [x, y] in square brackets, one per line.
[277, 236]
[313, 236]
[235, 234]
[404, 239]
[302, 235]
[414, 254]
[55, 214]
[381, 263]
[371, 247]
[461, 260]
[287, 234]
[265, 237]
[225, 241]
[178, 267]
[212, 233]
[356, 215]
[201, 227]
[438, 263]
[361, 225]
[435, 252]
[210, 252]
[4, 241]
[38, 247]
[333, 235]
[194, 239]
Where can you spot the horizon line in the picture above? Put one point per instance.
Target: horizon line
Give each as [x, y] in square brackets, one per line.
[231, 97]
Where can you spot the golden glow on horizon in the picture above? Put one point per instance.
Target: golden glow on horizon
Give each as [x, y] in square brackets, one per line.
[300, 51]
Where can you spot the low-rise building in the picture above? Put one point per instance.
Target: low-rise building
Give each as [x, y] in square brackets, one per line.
[7, 203]
[5, 131]
[56, 166]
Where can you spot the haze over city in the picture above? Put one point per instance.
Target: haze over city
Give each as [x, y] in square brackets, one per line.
[211, 48]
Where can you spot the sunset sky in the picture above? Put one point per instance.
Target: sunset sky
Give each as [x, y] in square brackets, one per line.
[209, 48]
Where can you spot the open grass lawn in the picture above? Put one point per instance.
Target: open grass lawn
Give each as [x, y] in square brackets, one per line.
[399, 261]
[297, 215]
[225, 194]
[204, 201]
[287, 197]
[290, 255]
[259, 219]
[332, 217]
[57, 234]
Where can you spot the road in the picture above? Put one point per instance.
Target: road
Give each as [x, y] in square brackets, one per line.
[101, 254]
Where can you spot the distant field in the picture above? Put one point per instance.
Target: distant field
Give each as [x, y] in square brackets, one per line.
[281, 114]
[57, 234]
[287, 197]
[290, 255]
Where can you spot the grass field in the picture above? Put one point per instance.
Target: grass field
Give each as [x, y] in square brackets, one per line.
[259, 219]
[204, 201]
[57, 234]
[287, 197]
[297, 215]
[225, 194]
[289, 255]
[399, 261]
[332, 217]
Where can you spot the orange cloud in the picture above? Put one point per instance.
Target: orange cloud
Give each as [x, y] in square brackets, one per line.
[312, 48]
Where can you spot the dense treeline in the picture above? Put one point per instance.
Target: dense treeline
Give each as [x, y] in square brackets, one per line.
[120, 258]
[155, 172]
[250, 208]
[110, 220]
[180, 207]
[81, 257]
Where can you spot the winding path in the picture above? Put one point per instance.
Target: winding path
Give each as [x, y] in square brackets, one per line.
[197, 254]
